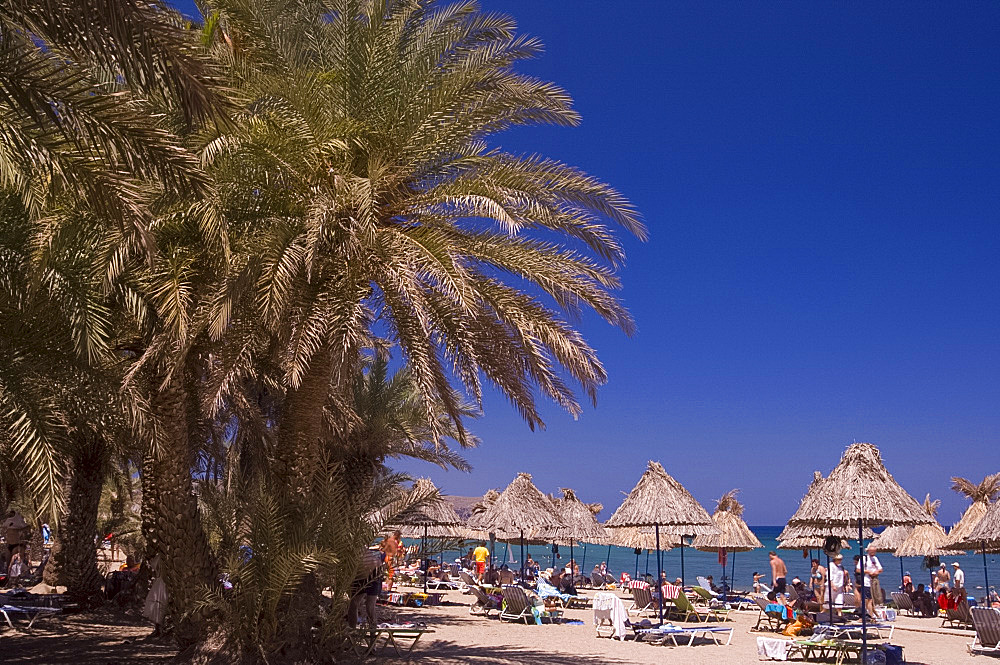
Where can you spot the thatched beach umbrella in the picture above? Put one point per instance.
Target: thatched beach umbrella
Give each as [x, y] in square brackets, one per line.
[659, 501]
[434, 517]
[581, 525]
[982, 494]
[926, 539]
[521, 509]
[734, 534]
[808, 543]
[638, 539]
[890, 539]
[986, 536]
[859, 491]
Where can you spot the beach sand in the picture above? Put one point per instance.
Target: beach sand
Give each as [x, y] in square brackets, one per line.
[461, 638]
[107, 638]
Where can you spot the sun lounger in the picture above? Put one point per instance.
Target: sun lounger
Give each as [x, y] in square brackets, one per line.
[986, 621]
[844, 631]
[684, 607]
[597, 580]
[402, 637]
[704, 594]
[904, 603]
[959, 617]
[642, 601]
[546, 590]
[483, 602]
[769, 614]
[517, 606]
[30, 613]
[610, 615]
[706, 585]
[670, 632]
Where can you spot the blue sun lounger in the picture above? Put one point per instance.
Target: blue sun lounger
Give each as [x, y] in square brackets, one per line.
[670, 632]
[29, 613]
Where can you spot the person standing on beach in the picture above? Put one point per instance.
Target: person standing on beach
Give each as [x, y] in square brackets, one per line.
[817, 580]
[873, 568]
[779, 571]
[479, 556]
[942, 579]
[839, 580]
[391, 547]
[959, 576]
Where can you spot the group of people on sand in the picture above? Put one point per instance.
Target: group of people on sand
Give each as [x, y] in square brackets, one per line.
[946, 590]
[811, 597]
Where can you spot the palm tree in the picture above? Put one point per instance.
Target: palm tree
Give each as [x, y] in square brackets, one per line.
[81, 82]
[369, 199]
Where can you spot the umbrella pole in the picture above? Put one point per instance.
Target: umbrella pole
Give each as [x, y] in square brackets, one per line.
[732, 576]
[683, 581]
[901, 571]
[425, 562]
[659, 567]
[609, 556]
[583, 565]
[522, 555]
[723, 577]
[637, 550]
[647, 562]
[986, 574]
[864, 609]
[829, 587]
[571, 573]
[506, 551]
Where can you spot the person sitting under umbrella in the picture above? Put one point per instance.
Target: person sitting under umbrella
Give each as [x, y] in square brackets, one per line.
[801, 598]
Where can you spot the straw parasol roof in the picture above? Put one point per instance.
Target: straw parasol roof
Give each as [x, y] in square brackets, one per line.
[734, 534]
[982, 494]
[858, 488]
[820, 533]
[434, 513]
[659, 500]
[581, 525]
[521, 509]
[642, 537]
[987, 532]
[926, 539]
[891, 538]
[807, 543]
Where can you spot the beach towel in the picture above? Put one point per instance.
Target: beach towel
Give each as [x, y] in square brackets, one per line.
[671, 591]
[609, 607]
[773, 648]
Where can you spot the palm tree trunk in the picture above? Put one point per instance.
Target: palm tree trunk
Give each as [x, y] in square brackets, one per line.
[175, 529]
[73, 560]
[298, 454]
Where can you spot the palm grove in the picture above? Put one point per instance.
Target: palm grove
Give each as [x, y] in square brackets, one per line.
[244, 262]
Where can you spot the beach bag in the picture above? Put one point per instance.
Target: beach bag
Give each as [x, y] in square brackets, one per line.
[894, 655]
[875, 657]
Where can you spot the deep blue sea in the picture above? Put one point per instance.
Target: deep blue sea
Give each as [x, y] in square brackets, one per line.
[706, 563]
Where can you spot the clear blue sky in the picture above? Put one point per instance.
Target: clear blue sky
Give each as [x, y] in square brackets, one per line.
[820, 182]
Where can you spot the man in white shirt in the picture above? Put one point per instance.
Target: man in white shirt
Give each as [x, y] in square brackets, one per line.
[959, 576]
[873, 568]
[839, 580]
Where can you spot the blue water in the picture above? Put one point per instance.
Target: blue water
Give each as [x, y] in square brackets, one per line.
[707, 563]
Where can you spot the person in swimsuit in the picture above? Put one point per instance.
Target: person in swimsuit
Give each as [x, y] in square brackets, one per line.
[817, 579]
[942, 579]
[779, 571]
[391, 547]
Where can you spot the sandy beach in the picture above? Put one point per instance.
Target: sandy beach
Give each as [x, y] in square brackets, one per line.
[458, 637]
[461, 638]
